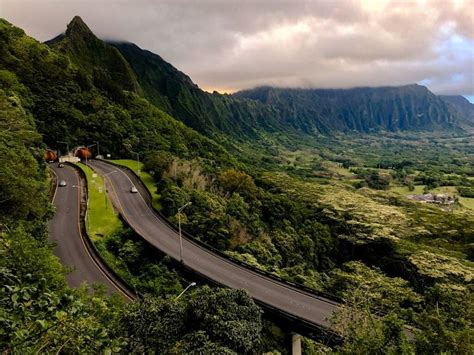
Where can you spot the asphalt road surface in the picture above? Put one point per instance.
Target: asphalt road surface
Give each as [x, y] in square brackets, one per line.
[64, 231]
[143, 220]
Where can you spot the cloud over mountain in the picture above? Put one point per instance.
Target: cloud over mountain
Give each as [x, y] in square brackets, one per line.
[240, 44]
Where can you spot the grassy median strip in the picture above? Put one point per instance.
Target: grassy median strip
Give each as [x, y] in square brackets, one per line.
[102, 219]
[144, 176]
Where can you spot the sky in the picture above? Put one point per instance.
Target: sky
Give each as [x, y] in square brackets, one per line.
[232, 45]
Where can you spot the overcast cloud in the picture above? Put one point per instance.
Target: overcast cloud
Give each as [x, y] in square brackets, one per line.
[232, 45]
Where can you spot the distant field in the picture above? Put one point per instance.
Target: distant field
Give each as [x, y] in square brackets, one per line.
[144, 176]
[403, 190]
[334, 167]
[467, 202]
[101, 218]
[446, 190]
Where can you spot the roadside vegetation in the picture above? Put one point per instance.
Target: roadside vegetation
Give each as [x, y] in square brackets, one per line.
[101, 217]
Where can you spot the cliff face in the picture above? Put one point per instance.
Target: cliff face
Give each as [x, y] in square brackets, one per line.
[359, 109]
[462, 105]
[174, 92]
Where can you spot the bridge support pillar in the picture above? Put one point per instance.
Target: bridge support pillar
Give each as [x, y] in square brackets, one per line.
[296, 344]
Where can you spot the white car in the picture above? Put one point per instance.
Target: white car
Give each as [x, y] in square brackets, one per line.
[133, 190]
[62, 183]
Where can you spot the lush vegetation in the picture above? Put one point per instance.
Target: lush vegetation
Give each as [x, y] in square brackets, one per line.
[101, 217]
[358, 109]
[38, 312]
[324, 211]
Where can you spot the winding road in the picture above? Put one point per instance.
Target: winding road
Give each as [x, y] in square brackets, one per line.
[143, 220]
[65, 233]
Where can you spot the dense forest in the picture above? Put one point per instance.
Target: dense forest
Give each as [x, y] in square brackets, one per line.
[320, 210]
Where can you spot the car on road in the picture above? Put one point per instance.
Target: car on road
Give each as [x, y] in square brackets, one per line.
[63, 183]
[133, 189]
[60, 165]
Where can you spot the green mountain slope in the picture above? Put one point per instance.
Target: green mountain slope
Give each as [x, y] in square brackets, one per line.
[410, 107]
[174, 92]
[249, 115]
[104, 63]
[462, 105]
[68, 106]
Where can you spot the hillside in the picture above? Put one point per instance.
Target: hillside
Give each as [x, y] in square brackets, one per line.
[106, 66]
[175, 93]
[266, 109]
[411, 107]
[462, 105]
[68, 105]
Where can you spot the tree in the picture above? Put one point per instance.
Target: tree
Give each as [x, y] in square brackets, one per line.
[366, 333]
[216, 320]
[237, 181]
[157, 162]
[446, 321]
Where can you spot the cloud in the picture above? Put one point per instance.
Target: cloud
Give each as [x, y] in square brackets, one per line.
[232, 45]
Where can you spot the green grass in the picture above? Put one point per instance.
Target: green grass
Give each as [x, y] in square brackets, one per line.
[102, 219]
[144, 176]
[451, 190]
[403, 190]
[467, 202]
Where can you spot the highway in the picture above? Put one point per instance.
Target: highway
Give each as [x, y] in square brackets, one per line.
[65, 233]
[143, 220]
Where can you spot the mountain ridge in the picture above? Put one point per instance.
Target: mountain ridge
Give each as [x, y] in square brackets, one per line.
[250, 114]
[108, 68]
[461, 104]
[362, 109]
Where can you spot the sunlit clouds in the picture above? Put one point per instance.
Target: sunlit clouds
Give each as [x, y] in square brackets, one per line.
[232, 45]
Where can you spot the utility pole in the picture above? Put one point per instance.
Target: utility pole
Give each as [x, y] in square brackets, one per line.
[179, 228]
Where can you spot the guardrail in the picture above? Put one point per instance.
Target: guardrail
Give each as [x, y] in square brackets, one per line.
[121, 284]
[148, 198]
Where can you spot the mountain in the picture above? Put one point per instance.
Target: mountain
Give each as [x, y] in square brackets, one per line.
[409, 107]
[462, 105]
[62, 91]
[250, 114]
[104, 63]
[175, 93]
